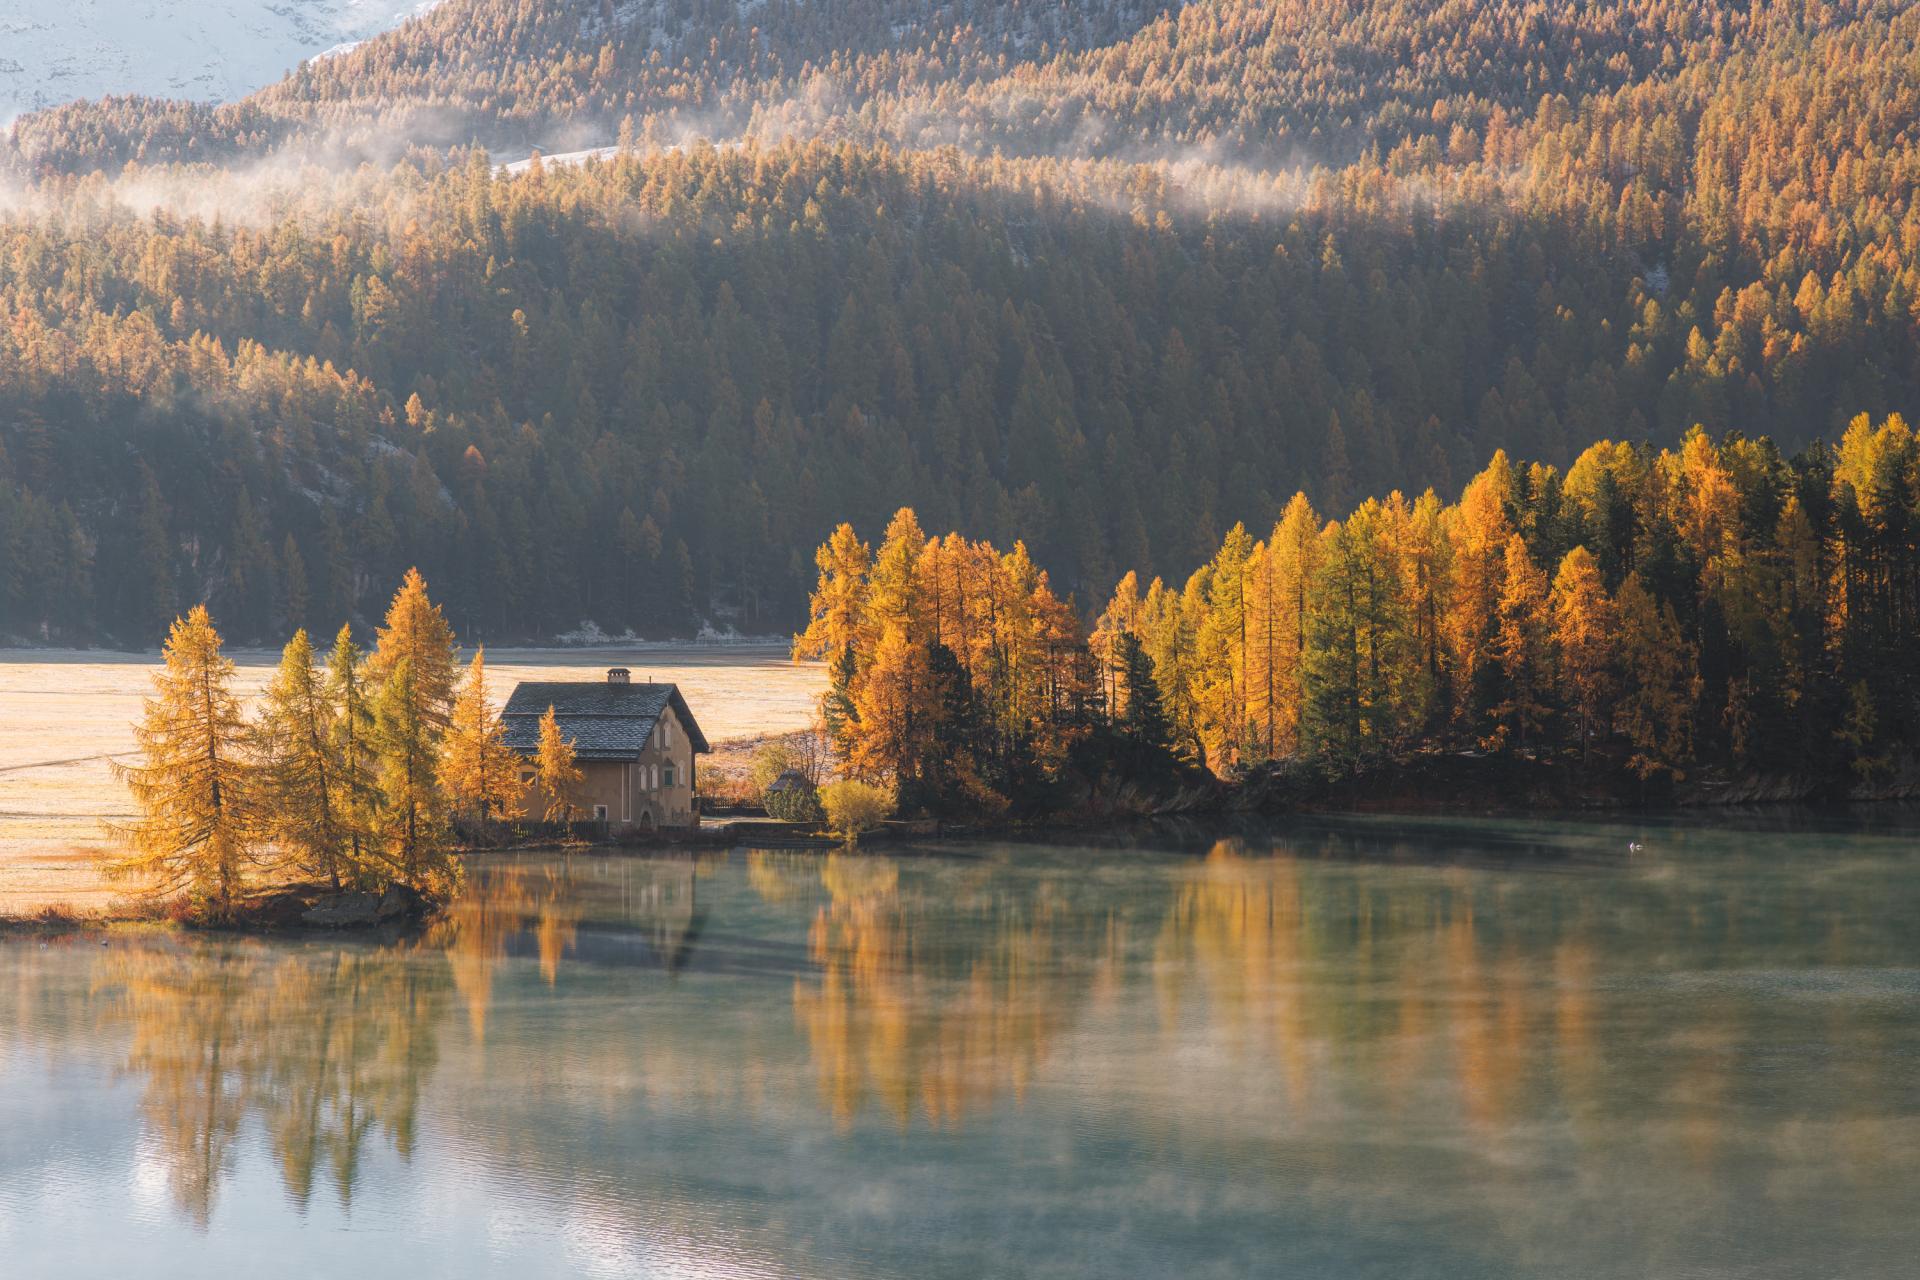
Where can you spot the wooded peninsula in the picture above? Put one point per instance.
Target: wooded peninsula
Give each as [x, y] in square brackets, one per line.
[1603, 635]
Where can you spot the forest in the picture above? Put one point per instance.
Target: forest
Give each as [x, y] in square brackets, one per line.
[1108, 280]
[1641, 616]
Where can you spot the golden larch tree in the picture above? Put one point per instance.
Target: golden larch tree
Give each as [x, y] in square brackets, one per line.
[413, 668]
[479, 771]
[1659, 682]
[294, 736]
[356, 779]
[555, 772]
[1520, 645]
[1480, 529]
[197, 790]
[1222, 638]
[1583, 636]
[838, 610]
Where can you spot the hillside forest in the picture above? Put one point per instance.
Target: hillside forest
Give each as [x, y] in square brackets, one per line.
[1109, 281]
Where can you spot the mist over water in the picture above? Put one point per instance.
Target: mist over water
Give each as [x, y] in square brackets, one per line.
[1357, 1048]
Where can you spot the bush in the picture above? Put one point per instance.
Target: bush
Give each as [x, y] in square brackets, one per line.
[853, 807]
[797, 801]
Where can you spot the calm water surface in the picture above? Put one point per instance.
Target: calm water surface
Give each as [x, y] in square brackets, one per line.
[1361, 1048]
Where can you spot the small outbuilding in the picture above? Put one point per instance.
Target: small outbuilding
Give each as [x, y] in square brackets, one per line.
[635, 744]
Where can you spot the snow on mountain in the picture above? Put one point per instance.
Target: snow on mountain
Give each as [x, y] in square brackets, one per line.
[53, 51]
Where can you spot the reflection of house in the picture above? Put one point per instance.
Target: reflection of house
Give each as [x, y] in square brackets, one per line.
[635, 745]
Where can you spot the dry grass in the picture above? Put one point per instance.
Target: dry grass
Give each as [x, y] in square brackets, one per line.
[66, 716]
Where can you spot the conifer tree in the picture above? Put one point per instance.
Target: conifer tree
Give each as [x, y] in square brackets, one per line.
[1282, 591]
[1859, 733]
[839, 605]
[1479, 534]
[1222, 640]
[894, 597]
[838, 714]
[1658, 683]
[1583, 635]
[1120, 618]
[412, 665]
[295, 737]
[356, 780]
[555, 772]
[894, 718]
[1359, 652]
[479, 771]
[196, 788]
[1520, 646]
[954, 777]
[1142, 719]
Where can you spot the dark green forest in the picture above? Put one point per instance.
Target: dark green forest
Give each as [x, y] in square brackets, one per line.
[1103, 279]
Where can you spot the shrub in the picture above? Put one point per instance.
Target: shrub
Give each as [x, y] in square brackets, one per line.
[853, 807]
[794, 800]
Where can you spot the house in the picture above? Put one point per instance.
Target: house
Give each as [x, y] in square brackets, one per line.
[635, 745]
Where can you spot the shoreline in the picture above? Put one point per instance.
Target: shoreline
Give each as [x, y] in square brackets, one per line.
[270, 915]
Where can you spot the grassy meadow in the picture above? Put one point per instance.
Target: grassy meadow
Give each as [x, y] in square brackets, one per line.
[65, 716]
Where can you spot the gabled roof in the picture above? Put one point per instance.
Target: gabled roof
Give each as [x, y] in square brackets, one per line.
[604, 721]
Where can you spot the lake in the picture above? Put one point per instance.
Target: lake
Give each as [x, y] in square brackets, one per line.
[1331, 1048]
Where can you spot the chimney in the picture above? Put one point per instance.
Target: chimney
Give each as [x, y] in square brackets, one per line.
[619, 675]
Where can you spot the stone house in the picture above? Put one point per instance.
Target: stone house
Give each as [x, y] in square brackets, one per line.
[635, 745]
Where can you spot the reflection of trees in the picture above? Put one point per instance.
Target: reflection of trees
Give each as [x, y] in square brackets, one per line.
[492, 907]
[1350, 984]
[780, 877]
[1477, 999]
[322, 1049]
[1242, 924]
[656, 901]
[1411, 1035]
[913, 1007]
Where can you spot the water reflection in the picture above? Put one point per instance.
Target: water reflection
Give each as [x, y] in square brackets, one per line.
[912, 1014]
[322, 1049]
[1344, 1032]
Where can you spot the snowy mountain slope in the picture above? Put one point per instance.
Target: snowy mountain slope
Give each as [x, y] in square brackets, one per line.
[52, 51]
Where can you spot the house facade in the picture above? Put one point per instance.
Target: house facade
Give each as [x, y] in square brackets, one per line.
[635, 743]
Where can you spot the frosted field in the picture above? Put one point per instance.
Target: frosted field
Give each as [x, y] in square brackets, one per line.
[65, 716]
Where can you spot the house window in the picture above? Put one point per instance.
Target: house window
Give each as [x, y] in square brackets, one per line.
[526, 777]
[666, 774]
[599, 813]
[666, 735]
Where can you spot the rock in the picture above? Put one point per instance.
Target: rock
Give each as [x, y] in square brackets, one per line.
[400, 902]
[344, 911]
[354, 909]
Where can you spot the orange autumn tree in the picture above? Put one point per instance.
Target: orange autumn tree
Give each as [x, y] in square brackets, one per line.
[199, 793]
[1646, 609]
[1583, 634]
[1520, 647]
[962, 676]
[479, 771]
